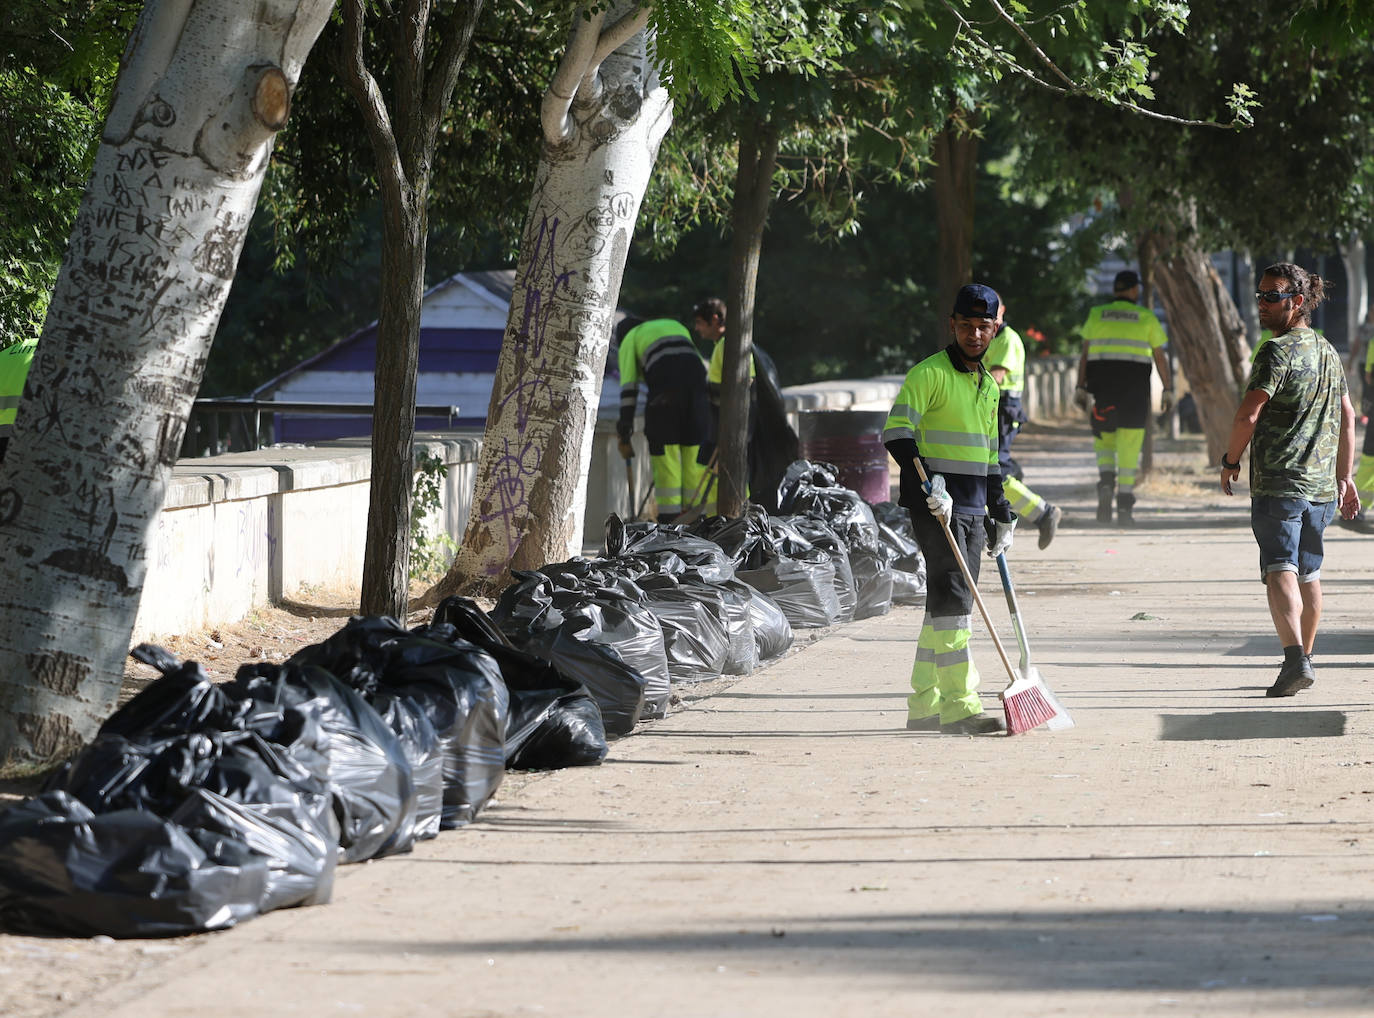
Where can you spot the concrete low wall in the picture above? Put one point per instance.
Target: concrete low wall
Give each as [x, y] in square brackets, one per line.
[245, 530]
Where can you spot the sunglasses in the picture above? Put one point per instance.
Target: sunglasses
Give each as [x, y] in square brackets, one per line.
[1273, 296]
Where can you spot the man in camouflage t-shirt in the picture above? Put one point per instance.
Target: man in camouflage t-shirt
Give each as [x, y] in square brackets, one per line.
[1300, 425]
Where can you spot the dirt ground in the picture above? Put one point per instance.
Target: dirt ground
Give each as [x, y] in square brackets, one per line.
[780, 842]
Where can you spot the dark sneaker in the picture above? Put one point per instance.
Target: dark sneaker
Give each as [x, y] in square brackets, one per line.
[976, 724]
[1292, 678]
[1125, 510]
[927, 724]
[1048, 524]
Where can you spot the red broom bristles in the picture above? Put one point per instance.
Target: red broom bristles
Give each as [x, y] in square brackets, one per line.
[1026, 710]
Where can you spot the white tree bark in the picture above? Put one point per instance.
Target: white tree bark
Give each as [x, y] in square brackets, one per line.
[1207, 336]
[604, 116]
[1356, 289]
[204, 88]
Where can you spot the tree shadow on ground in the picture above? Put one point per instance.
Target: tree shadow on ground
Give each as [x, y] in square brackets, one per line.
[1323, 947]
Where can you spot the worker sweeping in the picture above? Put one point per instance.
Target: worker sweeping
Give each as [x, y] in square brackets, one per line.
[946, 414]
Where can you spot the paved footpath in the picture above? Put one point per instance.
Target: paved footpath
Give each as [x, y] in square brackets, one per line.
[783, 846]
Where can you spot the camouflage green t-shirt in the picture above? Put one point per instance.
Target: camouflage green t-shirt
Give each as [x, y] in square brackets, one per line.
[1293, 451]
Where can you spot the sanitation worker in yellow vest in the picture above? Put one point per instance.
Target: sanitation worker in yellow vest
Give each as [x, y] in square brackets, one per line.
[1120, 342]
[1006, 360]
[660, 355]
[946, 414]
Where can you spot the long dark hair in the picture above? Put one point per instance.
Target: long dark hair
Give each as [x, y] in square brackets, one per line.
[1309, 284]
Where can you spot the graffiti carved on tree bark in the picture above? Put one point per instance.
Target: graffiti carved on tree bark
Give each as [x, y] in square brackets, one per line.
[148, 267]
[604, 117]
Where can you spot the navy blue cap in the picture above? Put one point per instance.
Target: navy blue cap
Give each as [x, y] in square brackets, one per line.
[1125, 280]
[976, 301]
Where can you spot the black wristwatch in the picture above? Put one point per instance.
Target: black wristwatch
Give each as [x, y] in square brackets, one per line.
[1227, 464]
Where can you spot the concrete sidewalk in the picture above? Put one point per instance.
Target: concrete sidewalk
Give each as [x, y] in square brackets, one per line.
[784, 846]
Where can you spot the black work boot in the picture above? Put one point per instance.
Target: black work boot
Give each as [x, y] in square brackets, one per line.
[982, 723]
[1106, 491]
[1048, 524]
[1293, 676]
[1125, 504]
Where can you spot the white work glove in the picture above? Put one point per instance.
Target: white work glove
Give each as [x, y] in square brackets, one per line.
[999, 536]
[937, 498]
[1166, 401]
[1082, 399]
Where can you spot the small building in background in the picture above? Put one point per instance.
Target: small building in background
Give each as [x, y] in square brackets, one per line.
[462, 321]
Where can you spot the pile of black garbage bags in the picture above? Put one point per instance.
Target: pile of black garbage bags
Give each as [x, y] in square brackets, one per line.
[200, 804]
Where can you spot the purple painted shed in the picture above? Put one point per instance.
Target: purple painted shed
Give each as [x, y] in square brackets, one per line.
[462, 321]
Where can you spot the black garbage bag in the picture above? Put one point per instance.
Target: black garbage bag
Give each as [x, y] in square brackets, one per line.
[553, 721]
[773, 443]
[424, 750]
[774, 557]
[894, 531]
[908, 565]
[742, 655]
[813, 489]
[183, 699]
[457, 684]
[617, 689]
[67, 871]
[908, 588]
[695, 637]
[532, 605]
[705, 558]
[270, 765]
[300, 859]
[873, 581]
[803, 588]
[287, 779]
[823, 536]
[555, 727]
[709, 578]
[772, 632]
[369, 774]
[802, 476]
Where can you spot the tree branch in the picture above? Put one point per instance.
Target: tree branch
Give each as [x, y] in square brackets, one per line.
[618, 35]
[1025, 37]
[456, 31]
[553, 111]
[364, 88]
[1073, 87]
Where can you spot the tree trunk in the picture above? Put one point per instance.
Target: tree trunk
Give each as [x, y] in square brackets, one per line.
[386, 557]
[758, 155]
[1356, 285]
[156, 243]
[955, 154]
[425, 59]
[1206, 331]
[604, 117]
[1249, 309]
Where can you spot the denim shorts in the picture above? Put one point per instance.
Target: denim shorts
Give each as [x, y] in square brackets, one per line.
[1289, 533]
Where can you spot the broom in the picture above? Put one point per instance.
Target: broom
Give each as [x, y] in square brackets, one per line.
[1028, 701]
[973, 589]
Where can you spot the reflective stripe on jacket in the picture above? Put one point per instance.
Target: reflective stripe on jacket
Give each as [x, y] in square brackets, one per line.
[661, 354]
[1122, 331]
[951, 415]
